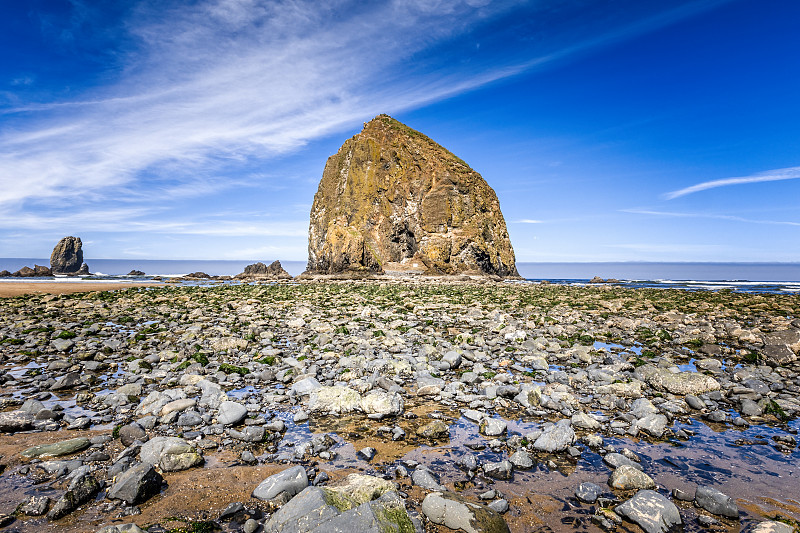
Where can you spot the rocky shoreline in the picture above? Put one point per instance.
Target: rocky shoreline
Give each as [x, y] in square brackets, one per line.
[400, 405]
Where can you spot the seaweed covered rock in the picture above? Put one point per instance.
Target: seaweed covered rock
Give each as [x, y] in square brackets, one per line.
[393, 200]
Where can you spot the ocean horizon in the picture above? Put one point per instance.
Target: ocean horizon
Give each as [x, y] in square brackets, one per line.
[553, 271]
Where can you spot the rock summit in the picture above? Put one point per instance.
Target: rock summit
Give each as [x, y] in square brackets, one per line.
[393, 200]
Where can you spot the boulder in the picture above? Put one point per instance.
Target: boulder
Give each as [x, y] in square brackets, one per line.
[556, 438]
[391, 199]
[171, 454]
[292, 480]
[453, 511]
[436, 429]
[680, 383]
[334, 400]
[136, 485]
[262, 271]
[81, 490]
[318, 510]
[231, 413]
[383, 403]
[16, 421]
[67, 256]
[781, 347]
[651, 511]
[715, 502]
[626, 477]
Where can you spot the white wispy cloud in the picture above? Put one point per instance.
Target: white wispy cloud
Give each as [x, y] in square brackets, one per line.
[791, 173]
[528, 221]
[732, 218]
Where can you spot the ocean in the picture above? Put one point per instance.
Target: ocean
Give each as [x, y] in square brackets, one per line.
[743, 277]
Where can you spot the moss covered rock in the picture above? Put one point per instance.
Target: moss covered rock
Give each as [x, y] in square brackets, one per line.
[391, 199]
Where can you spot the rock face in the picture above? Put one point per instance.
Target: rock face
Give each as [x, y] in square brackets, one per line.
[391, 199]
[261, 271]
[67, 256]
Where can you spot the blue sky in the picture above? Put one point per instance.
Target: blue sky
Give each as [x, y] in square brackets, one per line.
[630, 130]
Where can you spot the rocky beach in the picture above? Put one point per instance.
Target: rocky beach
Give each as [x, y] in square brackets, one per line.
[399, 405]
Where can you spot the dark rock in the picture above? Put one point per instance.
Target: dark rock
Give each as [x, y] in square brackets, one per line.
[588, 492]
[136, 273]
[34, 506]
[715, 502]
[67, 256]
[262, 271]
[24, 272]
[136, 485]
[41, 271]
[80, 491]
[5, 274]
[83, 270]
[67, 381]
[197, 275]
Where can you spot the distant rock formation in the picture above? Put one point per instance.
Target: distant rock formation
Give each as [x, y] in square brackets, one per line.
[38, 271]
[67, 257]
[5, 274]
[136, 273]
[391, 199]
[24, 272]
[262, 271]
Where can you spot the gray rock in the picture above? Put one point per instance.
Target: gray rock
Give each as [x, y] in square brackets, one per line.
[423, 477]
[521, 459]
[136, 484]
[615, 460]
[588, 492]
[250, 526]
[367, 453]
[383, 403]
[57, 449]
[771, 526]
[11, 421]
[492, 427]
[452, 358]
[80, 491]
[715, 502]
[750, 408]
[651, 511]
[130, 433]
[629, 478]
[435, 429]
[654, 425]
[556, 438]
[34, 506]
[453, 511]
[334, 400]
[231, 413]
[694, 402]
[292, 480]
[67, 381]
[305, 386]
[122, 528]
[500, 506]
[171, 454]
[498, 470]
[682, 383]
[468, 462]
[584, 421]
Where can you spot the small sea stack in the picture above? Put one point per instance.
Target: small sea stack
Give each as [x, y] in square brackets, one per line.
[67, 257]
[260, 271]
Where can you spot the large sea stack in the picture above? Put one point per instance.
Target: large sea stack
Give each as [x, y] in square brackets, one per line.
[391, 199]
[67, 257]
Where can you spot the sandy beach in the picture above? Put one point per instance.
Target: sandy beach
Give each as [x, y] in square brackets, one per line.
[12, 289]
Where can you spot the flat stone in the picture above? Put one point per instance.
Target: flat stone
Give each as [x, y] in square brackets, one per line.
[383, 403]
[615, 460]
[121, 528]
[80, 491]
[292, 480]
[651, 511]
[176, 406]
[57, 449]
[436, 429]
[498, 470]
[521, 459]
[334, 400]
[171, 454]
[11, 421]
[423, 477]
[492, 427]
[771, 526]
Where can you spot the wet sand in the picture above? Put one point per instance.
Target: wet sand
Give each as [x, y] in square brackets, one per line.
[12, 288]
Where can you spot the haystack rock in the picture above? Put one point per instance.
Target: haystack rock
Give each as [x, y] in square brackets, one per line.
[393, 200]
[67, 256]
[261, 271]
